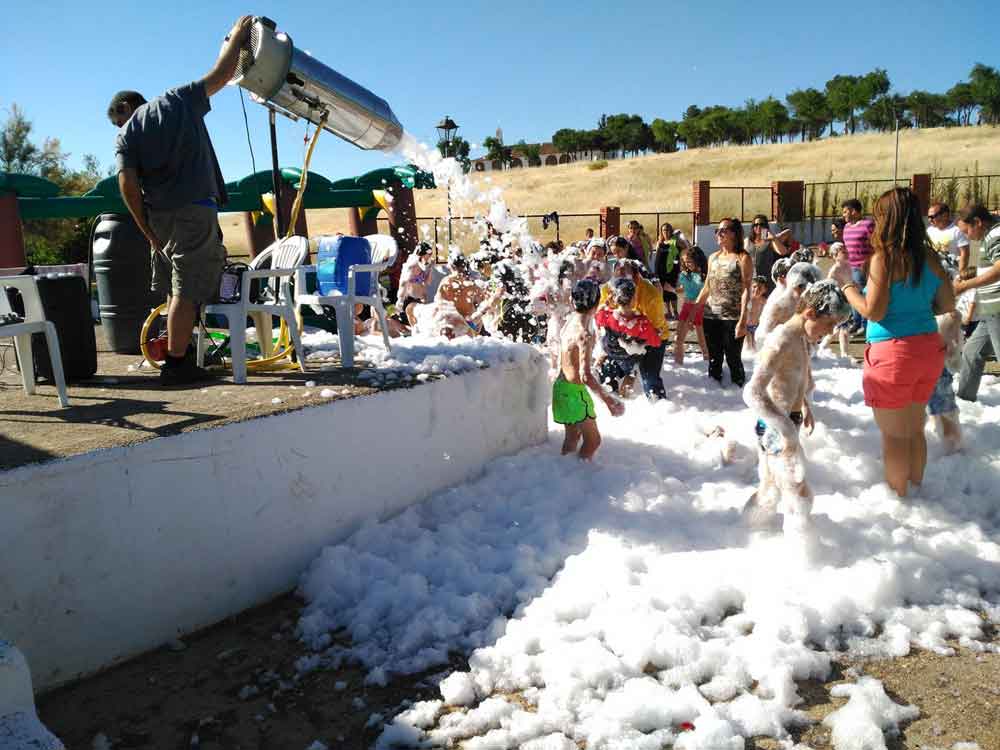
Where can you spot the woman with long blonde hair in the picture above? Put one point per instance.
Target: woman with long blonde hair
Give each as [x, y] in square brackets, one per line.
[905, 354]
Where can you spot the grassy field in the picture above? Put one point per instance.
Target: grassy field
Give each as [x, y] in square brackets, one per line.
[663, 182]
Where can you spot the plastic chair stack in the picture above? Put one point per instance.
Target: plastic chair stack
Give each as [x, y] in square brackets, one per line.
[383, 255]
[285, 257]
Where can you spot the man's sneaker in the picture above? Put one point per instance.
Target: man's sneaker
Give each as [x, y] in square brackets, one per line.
[182, 372]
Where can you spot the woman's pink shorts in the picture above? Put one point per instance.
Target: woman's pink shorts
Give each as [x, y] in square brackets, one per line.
[899, 372]
[692, 313]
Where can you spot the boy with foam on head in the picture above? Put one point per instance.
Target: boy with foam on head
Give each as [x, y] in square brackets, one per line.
[572, 405]
[779, 393]
[782, 303]
[942, 407]
[838, 251]
[755, 306]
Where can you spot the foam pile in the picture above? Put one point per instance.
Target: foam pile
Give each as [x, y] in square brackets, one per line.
[625, 603]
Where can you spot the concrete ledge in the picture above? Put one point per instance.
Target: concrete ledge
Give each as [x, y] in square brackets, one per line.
[115, 552]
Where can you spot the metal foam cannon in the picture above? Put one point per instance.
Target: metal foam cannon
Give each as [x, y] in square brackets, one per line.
[299, 85]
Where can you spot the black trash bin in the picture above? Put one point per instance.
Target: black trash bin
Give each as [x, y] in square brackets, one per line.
[122, 268]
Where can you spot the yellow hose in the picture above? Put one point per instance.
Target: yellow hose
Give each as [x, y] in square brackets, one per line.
[268, 363]
[297, 205]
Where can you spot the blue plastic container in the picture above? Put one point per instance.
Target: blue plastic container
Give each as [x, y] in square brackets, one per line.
[335, 256]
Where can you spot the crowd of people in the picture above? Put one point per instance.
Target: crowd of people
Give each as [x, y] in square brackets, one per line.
[605, 309]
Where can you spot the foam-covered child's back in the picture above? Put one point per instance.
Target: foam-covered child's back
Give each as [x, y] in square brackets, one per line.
[950, 327]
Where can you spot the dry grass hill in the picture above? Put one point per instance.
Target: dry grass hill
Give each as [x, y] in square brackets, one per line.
[663, 182]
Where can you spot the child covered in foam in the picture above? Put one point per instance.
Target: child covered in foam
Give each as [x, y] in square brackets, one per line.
[779, 393]
[626, 334]
[838, 251]
[755, 308]
[782, 302]
[942, 407]
[552, 298]
[572, 405]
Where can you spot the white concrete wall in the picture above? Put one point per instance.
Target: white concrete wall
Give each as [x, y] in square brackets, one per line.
[114, 552]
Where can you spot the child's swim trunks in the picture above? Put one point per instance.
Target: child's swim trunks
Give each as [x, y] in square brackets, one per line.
[571, 402]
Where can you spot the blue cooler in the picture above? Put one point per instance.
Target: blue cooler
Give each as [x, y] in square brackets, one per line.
[335, 256]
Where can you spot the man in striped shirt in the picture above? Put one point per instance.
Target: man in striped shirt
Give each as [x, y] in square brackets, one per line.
[857, 234]
[980, 225]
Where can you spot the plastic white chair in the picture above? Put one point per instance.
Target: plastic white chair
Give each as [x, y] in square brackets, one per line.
[34, 322]
[285, 257]
[383, 255]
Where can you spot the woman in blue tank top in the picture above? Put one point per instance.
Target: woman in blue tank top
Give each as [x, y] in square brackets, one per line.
[905, 353]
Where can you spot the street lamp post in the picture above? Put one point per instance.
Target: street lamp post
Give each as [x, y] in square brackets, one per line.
[447, 129]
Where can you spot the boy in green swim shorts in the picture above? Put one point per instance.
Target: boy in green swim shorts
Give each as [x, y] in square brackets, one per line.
[572, 405]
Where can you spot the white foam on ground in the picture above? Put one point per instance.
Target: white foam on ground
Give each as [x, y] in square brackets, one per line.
[418, 355]
[625, 601]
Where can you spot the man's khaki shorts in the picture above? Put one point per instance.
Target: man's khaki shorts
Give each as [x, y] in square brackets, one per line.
[193, 254]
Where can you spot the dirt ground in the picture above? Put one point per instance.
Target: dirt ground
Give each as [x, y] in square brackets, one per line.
[233, 686]
[121, 407]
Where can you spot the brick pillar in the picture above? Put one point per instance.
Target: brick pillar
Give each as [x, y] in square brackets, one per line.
[11, 233]
[788, 201]
[611, 221]
[920, 184]
[402, 215]
[701, 203]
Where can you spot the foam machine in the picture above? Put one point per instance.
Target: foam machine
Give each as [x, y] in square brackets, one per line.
[291, 82]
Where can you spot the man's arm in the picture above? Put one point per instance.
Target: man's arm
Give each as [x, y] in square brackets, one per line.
[225, 66]
[963, 254]
[128, 184]
[982, 279]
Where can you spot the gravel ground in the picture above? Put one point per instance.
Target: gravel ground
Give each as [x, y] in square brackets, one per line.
[232, 686]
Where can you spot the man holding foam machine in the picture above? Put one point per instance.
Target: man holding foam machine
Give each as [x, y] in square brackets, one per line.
[170, 180]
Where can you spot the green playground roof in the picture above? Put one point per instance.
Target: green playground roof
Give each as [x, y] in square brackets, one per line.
[39, 198]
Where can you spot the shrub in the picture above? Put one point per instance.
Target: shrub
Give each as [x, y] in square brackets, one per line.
[595, 165]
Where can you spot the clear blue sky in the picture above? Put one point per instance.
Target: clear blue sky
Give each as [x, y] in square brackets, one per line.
[530, 67]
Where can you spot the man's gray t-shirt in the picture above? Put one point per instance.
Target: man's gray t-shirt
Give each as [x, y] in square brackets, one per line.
[167, 143]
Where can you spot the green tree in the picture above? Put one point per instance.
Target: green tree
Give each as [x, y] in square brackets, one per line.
[962, 101]
[811, 109]
[870, 87]
[985, 82]
[883, 113]
[748, 121]
[928, 110]
[772, 118]
[48, 241]
[568, 141]
[840, 97]
[664, 134]
[460, 150]
[17, 152]
[497, 151]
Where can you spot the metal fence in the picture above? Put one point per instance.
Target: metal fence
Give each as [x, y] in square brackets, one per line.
[739, 200]
[822, 199]
[571, 227]
[958, 190]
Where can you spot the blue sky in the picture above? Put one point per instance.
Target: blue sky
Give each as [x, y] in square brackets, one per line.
[530, 67]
